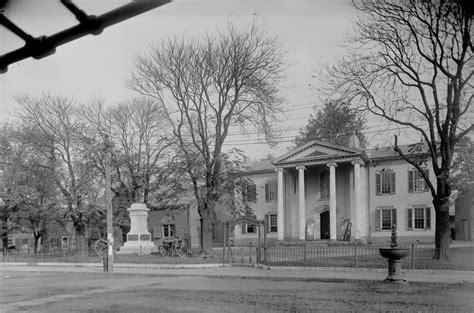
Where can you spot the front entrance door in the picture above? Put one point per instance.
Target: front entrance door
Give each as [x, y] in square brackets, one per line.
[324, 219]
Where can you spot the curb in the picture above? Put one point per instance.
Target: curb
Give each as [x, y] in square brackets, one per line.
[217, 265]
[122, 265]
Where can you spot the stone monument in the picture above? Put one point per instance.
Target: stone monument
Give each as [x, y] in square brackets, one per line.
[138, 239]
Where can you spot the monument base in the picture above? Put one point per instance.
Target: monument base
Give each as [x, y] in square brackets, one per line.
[142, 248]
[138, 239]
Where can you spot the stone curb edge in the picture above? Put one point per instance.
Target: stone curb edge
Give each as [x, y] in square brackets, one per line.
[216, 265]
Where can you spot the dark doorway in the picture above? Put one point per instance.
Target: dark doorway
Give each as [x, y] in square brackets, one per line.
[324, 219]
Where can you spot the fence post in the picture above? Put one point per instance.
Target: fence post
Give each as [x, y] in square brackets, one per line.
[140, 254]
[250, 248]
[242, 255]
[304, 253]
[173, 248]
[224, 242]
[258, 255]
[355, 254]
[412, 255]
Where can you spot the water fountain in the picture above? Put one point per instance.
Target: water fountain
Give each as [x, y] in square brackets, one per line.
[394, 254]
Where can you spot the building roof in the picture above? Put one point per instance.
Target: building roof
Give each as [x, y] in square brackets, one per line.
[374, 154]
[260, 165]
[389, 152]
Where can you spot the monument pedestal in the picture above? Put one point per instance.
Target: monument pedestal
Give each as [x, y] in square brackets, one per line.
[138, 239]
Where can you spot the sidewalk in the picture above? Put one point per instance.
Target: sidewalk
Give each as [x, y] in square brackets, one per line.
[323, 274]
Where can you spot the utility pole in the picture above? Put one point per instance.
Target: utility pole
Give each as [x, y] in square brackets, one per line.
[108, 205]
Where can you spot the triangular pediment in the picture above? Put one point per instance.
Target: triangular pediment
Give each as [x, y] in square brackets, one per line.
[315, 150]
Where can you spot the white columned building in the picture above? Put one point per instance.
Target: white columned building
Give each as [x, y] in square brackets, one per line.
[309, 207]
[332, 202]
[301, 203]
[280, 207]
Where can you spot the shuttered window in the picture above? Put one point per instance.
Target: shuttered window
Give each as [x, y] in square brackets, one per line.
[419, 218]
[270, 191]
[385, 218]
[271, 223]
[416, 182]
[385, 182]
[249, 228]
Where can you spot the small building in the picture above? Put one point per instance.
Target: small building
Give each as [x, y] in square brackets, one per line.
[60, 237]
[172, 221]
[464, 216]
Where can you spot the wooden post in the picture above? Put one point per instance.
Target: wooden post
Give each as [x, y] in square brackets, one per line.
[264, 241]
[259, 244]
[231, 257]
[224, 243]
[355, 254]
[108, 205]
[250, 252]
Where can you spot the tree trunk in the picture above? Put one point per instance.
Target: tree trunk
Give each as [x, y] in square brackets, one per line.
[443, 230]
[206, 232]
[5, 243]
[81, 244]
[37, 238]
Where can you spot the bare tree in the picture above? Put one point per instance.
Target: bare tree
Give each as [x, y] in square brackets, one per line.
[205, 86]
[141, 139]
[30, 195]
[412, 64]
[60, 132]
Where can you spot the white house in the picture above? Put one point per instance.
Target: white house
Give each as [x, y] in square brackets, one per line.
[322, 191]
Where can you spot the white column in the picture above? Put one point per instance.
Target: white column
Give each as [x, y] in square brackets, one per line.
[280, 203]
[364, 230]
[301, 202]
[332, 202]
[357, 201]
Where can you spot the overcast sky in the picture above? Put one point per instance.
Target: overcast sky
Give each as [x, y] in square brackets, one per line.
[98, 65]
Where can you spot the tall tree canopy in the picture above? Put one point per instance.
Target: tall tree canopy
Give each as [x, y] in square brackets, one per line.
[60, 137]
[28, 192]
[141, 138]
[411, 63]
[334, 123]
[205, 86]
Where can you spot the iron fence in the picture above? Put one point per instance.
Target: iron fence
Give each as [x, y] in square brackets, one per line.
[140, 255]
[300, 254]
[364, 256]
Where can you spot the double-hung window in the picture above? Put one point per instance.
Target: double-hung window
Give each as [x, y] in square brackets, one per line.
[169, 230]
[416, 182]
[385, 218]
[385, 182]
[270, 191]
[271, 223]
[249, 228]
[419, 218]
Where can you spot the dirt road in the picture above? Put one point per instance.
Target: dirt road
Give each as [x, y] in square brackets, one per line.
[97, 292]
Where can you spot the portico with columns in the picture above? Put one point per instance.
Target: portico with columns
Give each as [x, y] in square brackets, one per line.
[321, 188]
